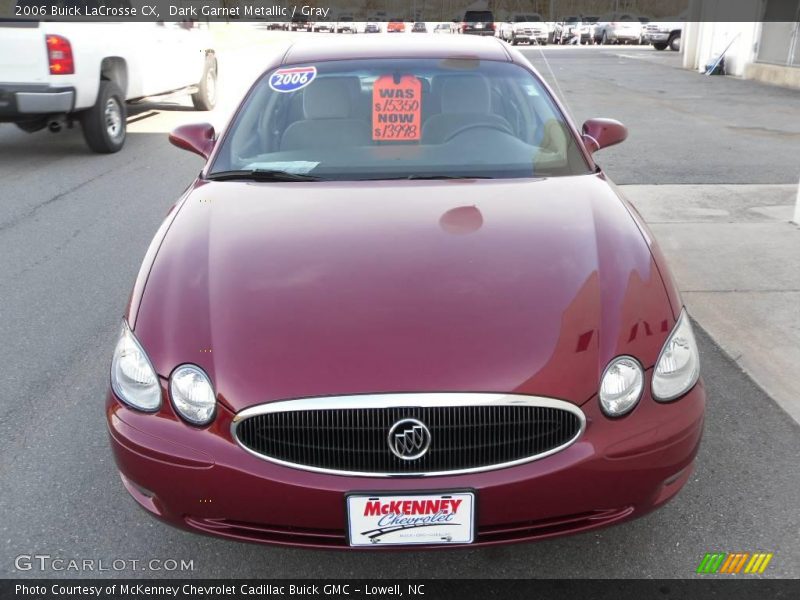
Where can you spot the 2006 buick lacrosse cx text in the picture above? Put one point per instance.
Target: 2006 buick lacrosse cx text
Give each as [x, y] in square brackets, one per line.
[402, 306]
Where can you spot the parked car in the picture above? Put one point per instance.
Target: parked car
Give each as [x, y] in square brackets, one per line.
[301, 23]
[664, 34]
[478, 22]
[588, 28]
[419, 27]
[574, 30]
[527, 29]
[395, 26]
[565, 28]
[339, 344]
[346, 24]
[618, 29]
[643, 21]
[67, 72]
[372, 27]
[443, 28]
[324, 27]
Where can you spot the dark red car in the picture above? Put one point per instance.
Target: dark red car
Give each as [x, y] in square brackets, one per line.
[401, 304]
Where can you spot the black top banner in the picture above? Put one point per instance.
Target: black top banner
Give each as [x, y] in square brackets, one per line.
[361, 11]
[420, 589]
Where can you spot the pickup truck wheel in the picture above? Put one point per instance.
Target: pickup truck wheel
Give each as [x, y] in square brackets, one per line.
[675, 42]
[660, 46]
[206, 96]
[104, 124]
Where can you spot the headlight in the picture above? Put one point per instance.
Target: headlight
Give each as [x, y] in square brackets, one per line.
[621, 386]
[133, 378]
[192, 394]
[678, 365]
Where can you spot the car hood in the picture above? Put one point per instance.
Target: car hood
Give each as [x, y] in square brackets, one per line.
[314, 289]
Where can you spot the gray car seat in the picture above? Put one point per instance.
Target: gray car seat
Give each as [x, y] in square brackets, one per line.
[466, 99]
[328, 118]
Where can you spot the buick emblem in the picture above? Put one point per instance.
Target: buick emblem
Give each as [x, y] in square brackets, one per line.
[409, 439]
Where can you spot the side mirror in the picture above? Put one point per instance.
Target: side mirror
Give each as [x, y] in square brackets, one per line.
[602, 133]
[197, 137]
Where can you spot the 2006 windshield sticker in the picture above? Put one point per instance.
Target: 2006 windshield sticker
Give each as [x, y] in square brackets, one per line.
[290, 80]
[396, 108]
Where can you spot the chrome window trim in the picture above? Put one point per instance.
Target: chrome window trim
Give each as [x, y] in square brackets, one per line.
[408, 400]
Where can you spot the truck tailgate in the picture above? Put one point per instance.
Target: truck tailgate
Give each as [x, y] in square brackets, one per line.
[23, 53]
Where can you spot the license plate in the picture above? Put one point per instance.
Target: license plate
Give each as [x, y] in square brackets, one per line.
[386, 520]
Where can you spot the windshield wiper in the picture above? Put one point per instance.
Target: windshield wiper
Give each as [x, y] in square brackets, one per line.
[261, 175]
[412, 176]
[449, 177]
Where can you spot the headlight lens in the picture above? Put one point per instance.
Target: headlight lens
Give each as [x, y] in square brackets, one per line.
[621, 386]
[192, 394]
[678, 365]
[133, 378]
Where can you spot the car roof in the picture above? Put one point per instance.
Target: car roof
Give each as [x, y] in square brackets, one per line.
[360, 47]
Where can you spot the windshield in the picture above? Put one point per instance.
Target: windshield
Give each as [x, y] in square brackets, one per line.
[398, 118]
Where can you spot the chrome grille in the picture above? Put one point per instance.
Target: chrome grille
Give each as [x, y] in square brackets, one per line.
[349, 435]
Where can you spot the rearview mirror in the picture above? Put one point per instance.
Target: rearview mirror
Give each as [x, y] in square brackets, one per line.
[602, 133]
[197, 138]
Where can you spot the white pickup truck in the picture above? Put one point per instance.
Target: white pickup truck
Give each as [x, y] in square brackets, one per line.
[55, 73]
[524, 28]
[664, 34]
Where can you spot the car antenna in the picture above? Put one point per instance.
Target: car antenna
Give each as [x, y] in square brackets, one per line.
[561, 95]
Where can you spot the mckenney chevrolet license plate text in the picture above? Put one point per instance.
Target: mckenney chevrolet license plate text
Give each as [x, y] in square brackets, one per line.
[411, 519]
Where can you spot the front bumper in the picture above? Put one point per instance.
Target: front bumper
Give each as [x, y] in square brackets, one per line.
[20, 101]
[201, 480]
[657, 37]
[527, 37]
[624, 36]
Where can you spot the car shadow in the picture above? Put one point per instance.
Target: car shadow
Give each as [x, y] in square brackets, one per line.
[138, 108]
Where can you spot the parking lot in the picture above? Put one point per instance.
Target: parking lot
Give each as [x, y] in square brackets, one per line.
[74, 228]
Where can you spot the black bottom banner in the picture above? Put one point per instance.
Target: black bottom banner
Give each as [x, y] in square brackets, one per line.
[456, 589]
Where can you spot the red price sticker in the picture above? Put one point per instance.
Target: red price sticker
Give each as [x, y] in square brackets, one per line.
[396, 108]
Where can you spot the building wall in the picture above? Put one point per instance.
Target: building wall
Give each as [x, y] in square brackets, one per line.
[703, 42]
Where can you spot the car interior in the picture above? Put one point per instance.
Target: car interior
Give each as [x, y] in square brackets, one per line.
[330, 121]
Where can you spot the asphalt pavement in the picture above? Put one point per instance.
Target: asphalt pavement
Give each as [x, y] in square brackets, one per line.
[74, 228]
[684, 127]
